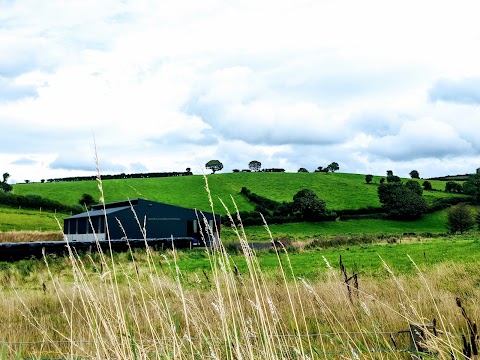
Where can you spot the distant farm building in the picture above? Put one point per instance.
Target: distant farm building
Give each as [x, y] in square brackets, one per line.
[126, 219]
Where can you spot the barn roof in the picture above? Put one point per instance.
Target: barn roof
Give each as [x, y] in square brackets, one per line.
[93, 213]
[116, 204]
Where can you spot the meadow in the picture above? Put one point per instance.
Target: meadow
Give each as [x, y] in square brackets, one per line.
[286, 304]
[339, 190]
[331, 290]
[13, 219]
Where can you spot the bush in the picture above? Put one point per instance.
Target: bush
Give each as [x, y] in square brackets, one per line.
[400, 202]
[34, 201]
[472, 187]
[427, 185]
[5, 187]
[308, 206]
[414, 186]
[440, 204]
[393, 179]
[460, 218]
[452, 186]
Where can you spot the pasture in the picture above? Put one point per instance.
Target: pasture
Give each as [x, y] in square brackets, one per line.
[292, 304]
[339, 190]
[336, 290]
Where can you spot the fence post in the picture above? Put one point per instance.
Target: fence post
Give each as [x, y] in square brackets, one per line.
[419, 334]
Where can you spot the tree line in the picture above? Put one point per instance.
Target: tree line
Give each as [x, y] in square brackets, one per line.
[256, 166]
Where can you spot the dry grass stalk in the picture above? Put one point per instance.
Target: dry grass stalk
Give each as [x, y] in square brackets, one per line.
[30, 236]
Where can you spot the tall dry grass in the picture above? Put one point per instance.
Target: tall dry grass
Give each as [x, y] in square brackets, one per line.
[103, 309]
[149, 311]
[30, 236]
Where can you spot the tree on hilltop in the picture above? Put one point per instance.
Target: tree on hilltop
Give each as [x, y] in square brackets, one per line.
[255, 165]
[214, 165]
[333, 167]
[414, 174]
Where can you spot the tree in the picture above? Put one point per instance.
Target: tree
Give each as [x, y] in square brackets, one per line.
[307, 205]
[5, 177]
[414, 174]
[255, 165]
[414, 186]
[87, 200]
[302, 170]
[368, 178]
[389, 173]
[393, 179]
[472, 187]
[427, 185]
[452, 186]
[5, 187]
[460, 218]
[333, 167]
[214, 165]
[401, 202]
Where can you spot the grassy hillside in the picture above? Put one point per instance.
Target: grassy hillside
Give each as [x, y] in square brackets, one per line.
[339, 190]
[29, 220]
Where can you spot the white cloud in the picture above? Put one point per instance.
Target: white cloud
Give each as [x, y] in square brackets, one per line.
[423, 138]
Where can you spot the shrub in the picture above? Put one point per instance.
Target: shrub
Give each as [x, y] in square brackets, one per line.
[414, 186]
[427, 185]
[452, 186]
[34, 201]
[307, 204]
[472, 187]
[393, 179]
[400, 202]
[460, 218]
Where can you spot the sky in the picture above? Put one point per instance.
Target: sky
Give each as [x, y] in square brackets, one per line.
[165, 85]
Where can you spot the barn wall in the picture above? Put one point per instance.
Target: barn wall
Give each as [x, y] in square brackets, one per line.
[161, 221]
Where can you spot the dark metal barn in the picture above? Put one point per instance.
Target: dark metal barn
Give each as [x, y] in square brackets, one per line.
[126, 219]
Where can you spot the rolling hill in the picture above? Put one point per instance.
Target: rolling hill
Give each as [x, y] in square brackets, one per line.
[339, 190]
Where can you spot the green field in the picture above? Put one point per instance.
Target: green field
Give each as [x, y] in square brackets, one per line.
[29, 220]
[430, 223]
[339, 190]
[363, 259]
